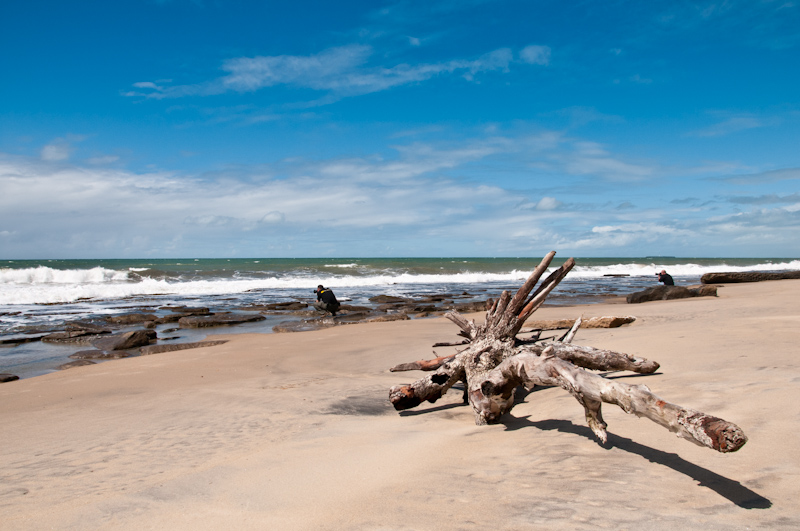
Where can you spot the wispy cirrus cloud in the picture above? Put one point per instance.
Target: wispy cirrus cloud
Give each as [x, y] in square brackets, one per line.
[770, 176]
[733, 123]
[342, 70]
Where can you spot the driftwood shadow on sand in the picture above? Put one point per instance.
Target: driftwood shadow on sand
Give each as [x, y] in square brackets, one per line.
[725, 487]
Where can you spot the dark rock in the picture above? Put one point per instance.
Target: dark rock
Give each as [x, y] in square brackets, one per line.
[131, 318]
[393, 306]
[77, 363]
[158, 349]
[73, 337]
[87, 327]
[300, 326]
[475, 306]
[100, 355]
[18, 340]
[747, 276]
[590, 322]
[171, 318]
[219, 319]
[279, 306]
[6, 377]
[380, 299]
[704, 291]
[125, 340]
[388, 317]
[662, 293]
[351, 308]
[187, 310]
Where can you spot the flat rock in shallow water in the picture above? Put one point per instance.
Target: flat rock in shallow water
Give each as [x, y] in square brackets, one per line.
[381, 299]
[131, 318]
[12, 341]
[73, 337]
[6, 377]
[219, 319]
[125, 340]
[100, 355]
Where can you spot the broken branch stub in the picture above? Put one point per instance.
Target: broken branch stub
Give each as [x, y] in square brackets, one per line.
[496, 362]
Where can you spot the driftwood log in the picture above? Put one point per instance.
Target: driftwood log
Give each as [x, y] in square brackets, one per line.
[495, 362]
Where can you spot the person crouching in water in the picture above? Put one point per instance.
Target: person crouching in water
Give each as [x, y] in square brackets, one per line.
[326, 300]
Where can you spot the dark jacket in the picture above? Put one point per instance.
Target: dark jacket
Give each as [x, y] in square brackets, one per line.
[325, 295]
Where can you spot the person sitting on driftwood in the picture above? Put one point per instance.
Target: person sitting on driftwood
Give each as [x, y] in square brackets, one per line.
[666, 278]
[326, 300]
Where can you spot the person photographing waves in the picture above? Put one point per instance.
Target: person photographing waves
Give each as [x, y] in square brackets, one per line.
[666, 278]
[326, 300]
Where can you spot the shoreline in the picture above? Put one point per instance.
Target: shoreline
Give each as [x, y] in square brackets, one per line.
[51, 356]
[295, 430]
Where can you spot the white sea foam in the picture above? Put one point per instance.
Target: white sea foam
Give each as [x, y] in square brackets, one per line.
[43, 285]
[676, 270]
[47, 275]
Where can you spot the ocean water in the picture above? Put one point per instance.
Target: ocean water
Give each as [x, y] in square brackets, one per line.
[45, 294]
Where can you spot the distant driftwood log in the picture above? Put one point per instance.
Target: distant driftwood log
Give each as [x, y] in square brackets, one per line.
[495, 362]
[747, 276]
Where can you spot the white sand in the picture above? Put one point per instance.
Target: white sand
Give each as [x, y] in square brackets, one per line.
[294, 431]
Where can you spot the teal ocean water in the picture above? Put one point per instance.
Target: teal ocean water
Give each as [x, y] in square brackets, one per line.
[45, 294]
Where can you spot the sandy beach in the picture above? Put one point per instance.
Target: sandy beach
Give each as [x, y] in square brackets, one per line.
[294, 431]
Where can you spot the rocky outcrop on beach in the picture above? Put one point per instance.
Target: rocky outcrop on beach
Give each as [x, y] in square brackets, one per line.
[76, 363]
[219, 319]
[125, 340]
[113, 337]
[72, 337]
[100, 355]
[159, 349]
[747, 276]
[590, 322]
[7, 377]
[663, 293]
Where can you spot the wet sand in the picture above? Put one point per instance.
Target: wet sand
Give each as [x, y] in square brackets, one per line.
[294, 431]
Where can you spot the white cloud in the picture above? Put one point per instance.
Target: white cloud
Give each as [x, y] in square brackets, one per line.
[106, 159]
[55, 152]
[733, 123]
[536, 54]
[60, 149]
[590, 158]
[343, 71]
[273, 217]
[548, 203]
[424, 198]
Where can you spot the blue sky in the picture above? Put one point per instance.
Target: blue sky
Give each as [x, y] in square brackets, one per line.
[180, 128]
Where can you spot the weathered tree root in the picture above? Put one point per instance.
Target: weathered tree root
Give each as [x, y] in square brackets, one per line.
[591, 391]
[496, 362]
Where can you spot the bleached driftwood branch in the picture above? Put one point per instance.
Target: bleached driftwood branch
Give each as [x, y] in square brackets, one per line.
[496, 362]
